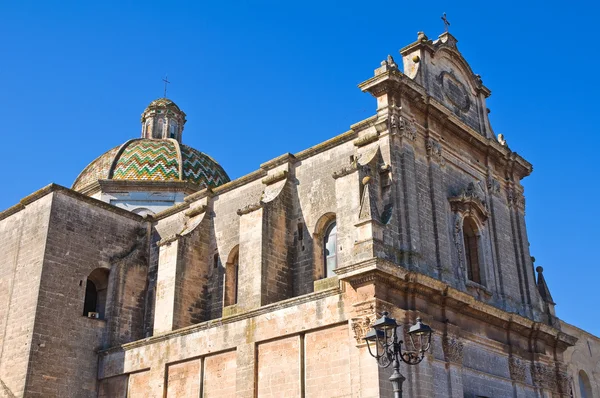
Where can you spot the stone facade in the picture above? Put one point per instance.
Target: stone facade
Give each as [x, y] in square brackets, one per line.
[227, 293]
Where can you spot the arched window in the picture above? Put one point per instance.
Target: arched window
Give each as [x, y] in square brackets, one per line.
[95, 294]
[585, 388]
[172, 129]
[231, 278]
[330, 249]
[471, 245]
[158, 131]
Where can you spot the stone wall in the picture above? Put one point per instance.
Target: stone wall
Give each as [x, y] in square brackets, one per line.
[82, 237]
[584, 363]
[22, 245]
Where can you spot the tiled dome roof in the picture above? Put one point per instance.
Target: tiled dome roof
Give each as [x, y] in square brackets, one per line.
[153, 160]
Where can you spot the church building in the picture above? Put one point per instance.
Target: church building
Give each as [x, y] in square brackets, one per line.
[155, 275]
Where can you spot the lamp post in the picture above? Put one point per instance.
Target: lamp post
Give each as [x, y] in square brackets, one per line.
[388, 347]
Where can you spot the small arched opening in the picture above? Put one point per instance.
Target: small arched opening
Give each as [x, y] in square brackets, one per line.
[94, 305]
[231, 278]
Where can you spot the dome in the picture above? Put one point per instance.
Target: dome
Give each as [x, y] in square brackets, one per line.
[148, 159]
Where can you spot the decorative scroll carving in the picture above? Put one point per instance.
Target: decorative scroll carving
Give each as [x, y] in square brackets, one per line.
[544, 376]
[518, 369]
[403, 127]
[453, 349]
[515, 198]
[365, 316]
[434, 150]
[458, 242]
[361, 327]
[564, 382]
[408, 128]
[493, 185]
[472, 200]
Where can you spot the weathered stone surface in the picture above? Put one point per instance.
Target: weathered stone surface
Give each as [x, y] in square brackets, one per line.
[226, 294]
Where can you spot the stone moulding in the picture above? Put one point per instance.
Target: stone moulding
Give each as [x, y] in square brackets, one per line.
[249, 209]
[385, 272]
[168, 239]
[275, 177]
[344, 171]
[194, 211]
[232, 319]
[366, 139]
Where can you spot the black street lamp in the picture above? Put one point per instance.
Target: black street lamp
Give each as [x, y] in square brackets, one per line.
[388, 348]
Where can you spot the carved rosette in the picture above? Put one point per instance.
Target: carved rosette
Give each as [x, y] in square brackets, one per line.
[453, 349]
[518, 369]
[434, 151]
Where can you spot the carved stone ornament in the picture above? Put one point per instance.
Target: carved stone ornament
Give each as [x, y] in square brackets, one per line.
[454, 91]
[544, 376]
[458, 242]
[515, 198]
[403, 127]
[518, 369]
[471, 200]
[564, 382]
[362, 322]
[453, 349]
[434, 150]
[493, 185]
[361, 327]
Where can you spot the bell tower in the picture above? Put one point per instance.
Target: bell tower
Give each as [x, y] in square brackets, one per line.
[163, 119]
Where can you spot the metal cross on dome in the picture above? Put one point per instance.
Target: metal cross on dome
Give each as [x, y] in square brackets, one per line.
[166, 80]
[446, 23]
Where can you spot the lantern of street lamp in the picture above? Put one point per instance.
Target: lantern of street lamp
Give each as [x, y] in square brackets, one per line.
[388, 347]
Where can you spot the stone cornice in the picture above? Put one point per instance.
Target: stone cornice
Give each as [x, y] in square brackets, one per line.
[293, 302]
[398, 277]
[48, 189]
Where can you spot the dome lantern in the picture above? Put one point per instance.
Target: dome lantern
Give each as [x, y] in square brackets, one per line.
[163, 119]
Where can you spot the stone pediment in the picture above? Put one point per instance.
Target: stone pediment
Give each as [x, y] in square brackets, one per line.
[447, 77]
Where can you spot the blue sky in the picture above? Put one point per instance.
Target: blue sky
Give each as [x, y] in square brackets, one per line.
[258, 79]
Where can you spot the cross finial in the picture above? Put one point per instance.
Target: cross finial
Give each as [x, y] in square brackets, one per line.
[166, 80]
[446, 23]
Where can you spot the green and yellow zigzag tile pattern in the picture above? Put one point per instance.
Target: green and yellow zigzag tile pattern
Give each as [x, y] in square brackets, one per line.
[99, 169]
[201, 169]
[154, 160]
[148, 160]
